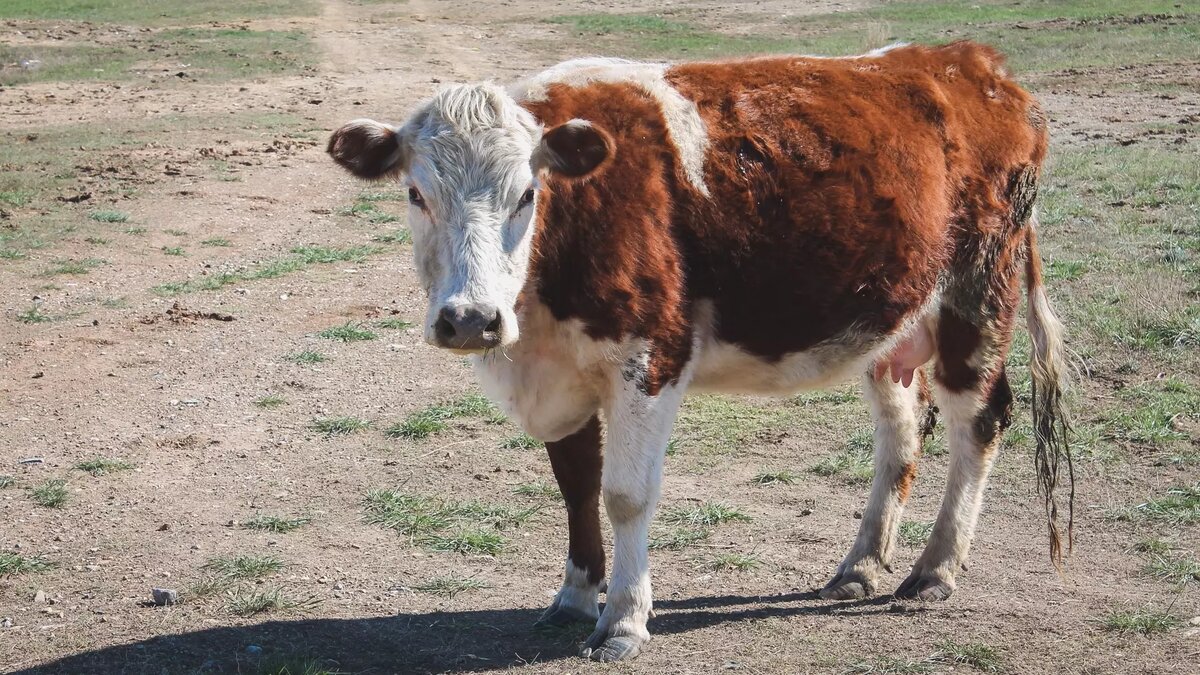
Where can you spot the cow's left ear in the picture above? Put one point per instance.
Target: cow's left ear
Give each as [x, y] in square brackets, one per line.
[574, 149]
[368, 149]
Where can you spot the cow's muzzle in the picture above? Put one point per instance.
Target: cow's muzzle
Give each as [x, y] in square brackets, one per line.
[472, 327]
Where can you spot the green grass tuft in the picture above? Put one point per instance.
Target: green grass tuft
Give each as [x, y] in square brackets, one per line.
[11, 563]
[982, 657]
[521, 442]
[708, 514]
[216, 241]
[105, 216]
[726, 562]
[397, 237]
[465, 527]
[853, 462]
[347, 332]
[306, 357]
[782, 477]
[678, 538]
[251, 601]
[539, 489]
[469, 541]
[7, 481]
[100, 466]
[244, 567]
[339, 426]
[73, 267]
[270, 401]
[51, 494]
[173, 250]
[434, 419]
[1179, 506]
[1139, 621]
[276, 524]
[914, 534]
[1178, 570]
[33, 315]
[394, 323]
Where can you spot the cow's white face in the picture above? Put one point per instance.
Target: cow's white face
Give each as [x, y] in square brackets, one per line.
[470, 158]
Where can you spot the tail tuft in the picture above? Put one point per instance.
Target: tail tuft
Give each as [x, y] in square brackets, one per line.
[1050, 424]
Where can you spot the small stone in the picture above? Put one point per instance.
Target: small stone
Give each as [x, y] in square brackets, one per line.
[338, 586]
[858, 515]
[40, 597]
[1194, 621]
[6, 622]
[165, 596]
[253, 649]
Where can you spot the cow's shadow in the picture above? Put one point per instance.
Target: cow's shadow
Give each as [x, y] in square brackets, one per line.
[461, 641]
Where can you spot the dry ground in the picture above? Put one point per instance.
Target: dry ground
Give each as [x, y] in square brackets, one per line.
[174, 246]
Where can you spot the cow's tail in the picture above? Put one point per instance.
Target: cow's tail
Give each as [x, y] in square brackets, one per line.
[1049, 370]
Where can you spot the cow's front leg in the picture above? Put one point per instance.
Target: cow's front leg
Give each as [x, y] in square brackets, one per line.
[577, 463]
[639, 426]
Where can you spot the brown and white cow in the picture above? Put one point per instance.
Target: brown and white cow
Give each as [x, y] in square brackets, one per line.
[607, 235]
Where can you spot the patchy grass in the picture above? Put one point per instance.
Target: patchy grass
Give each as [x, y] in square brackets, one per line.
[101, 466]
[244, 567]
[1178, 570]
[725, 562]
[521, 441]
[51, 494]
[1150, 411]
[914, 534]
[463, 527]
[435, 419]
[888, 665]
[11, 254]
[306, 357]
[1143, 621]
[1179, 506]
[109, 216]
[475, 541]
[75, 267]
[449, 586]
[244, 601]
[348, 332]
[1153, 546]
[781, 477]
[270, 401]
[7, 481]
[159, 12]
[538, 489]
[96, 241]
[394, 237]
[853, 463]
[678, 538]
[173, 250]
[978, 655]
[33, 315]
[339, 426]
[275, 524]
[720, 425]
[394, 323]
[216, 242]
[708, 514]
[293, 665]
[135, 230]
[301, 257]
[11, 564]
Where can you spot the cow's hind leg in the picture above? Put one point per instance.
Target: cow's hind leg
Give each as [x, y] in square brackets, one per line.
[975, 400]
[897, 445]
[577, 464]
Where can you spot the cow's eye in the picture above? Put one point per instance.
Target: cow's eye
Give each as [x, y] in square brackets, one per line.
[526, 199]
[415, 198]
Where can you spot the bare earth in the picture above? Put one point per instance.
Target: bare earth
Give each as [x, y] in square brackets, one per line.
[174, 396]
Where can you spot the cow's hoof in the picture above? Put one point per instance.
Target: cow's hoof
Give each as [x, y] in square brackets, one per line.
[925, 586]
[601, 647]
[850, 585]
[563, 615]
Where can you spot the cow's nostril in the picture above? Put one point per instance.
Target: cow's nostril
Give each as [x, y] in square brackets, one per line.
[494, 325]
[444, 326]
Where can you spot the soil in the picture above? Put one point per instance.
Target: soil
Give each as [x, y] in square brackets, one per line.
[154, 382]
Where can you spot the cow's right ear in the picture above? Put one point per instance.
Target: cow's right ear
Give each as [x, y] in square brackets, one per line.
[575, 149]
[368, 149]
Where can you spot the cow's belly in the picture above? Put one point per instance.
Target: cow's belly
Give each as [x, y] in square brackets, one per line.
[727, 368]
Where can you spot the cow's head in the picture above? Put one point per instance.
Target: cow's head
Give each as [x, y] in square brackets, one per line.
[471, 157]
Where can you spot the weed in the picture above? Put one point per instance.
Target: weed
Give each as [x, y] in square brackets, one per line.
[215, 241]
[33, 315]
[434, 419]
[135, 230]
[396, 237]
[708, 514]
[276, 524]
[244, 567]
[852, 462]
[306, 357]
[782, 477]
[348, 332]
[173, 250]
[329, 254]
[270, 401]
[339, 426]
[888, 665]
[175, 233]
[109, 216]
[51, 494]
[1153, 546]
[678, 538]
[725, 562]
[915, 534]
[409, 515]
[1143, 621]
[449, 586]
[248, 602]
[11, 563]
[73, 267]
[521, 442]
[100, 466]
[7, 481]
[11, 254]
[424, 520]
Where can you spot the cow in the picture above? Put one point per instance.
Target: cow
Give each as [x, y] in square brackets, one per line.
[604, 236]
